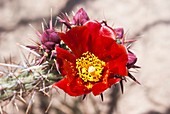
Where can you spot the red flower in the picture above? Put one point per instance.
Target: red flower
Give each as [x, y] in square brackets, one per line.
[94, 62]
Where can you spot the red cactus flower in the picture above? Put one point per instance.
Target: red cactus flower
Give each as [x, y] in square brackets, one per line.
[94, 61]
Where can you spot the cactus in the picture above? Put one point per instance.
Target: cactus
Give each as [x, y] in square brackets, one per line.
[36, 72]
[84, 68]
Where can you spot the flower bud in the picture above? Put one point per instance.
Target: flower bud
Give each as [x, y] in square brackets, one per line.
[49, 39]
[131, 60]
[80, 17]
[119, 33]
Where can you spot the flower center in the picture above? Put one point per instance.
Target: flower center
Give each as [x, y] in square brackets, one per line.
[89, 67]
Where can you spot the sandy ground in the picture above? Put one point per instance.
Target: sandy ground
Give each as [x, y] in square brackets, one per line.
[148, 21]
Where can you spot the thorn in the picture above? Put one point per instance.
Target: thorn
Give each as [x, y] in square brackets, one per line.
[30, 103]
[42, 25]
[28, 49]
[118, 76]
[67, 25]
[66, 14]
[37, 32]
[135, 66]
[48, 106]
[102, 96]
[73, 13]
[45, 22]
[22, 99]
[121, 86]
[57, 67]
[84, 96]
[45, 93]
[10, 65]
[133, 78]
[65, 20]
[65, 95]
[129, 46]
[124, 78]
[16, 106]
[115, 85]
[51, 20]
[129, 41]
[1, 111]
[121, 77]
[104, 22]
[55, 24]
[33, 67]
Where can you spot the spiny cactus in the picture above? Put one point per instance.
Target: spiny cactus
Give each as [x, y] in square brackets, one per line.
[87, 56]
[36, 72]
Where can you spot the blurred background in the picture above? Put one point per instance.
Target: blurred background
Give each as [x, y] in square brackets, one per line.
[147, 21]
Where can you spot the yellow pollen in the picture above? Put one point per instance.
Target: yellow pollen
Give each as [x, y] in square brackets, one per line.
[89, 67]
[89, 85]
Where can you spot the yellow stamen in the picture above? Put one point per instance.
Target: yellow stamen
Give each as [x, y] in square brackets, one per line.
[89, 67]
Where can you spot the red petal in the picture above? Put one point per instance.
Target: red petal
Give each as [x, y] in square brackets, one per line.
[107, 31]
[119, 68]
[77, 86]
[101, 40]
[76, 39]
[92, 37]
[98, 88]
[64, 85]
[119, 59]
[112, 80]
[107, 81]
[118, 50]
[61, 53]
[74, 88]
[102, 47]
[93, 27]
[66, 62]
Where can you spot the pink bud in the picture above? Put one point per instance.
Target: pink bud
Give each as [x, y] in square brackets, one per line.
[80, 17]
[119, 32]
[131, 59]
[50, 35]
